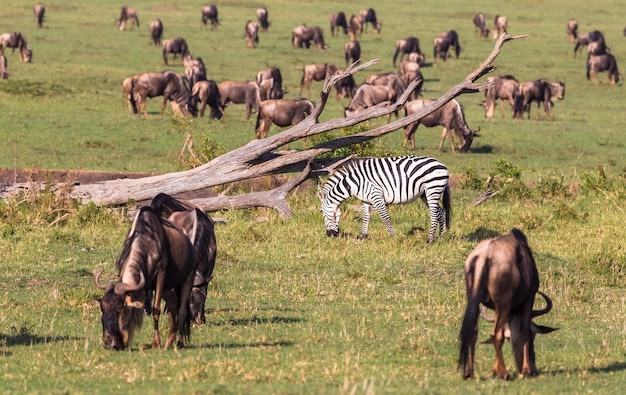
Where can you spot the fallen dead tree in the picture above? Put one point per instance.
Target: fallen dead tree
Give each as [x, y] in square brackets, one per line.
[258, 158]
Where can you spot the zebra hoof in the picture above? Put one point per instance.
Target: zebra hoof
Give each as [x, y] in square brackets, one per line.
[332, 233]
[362, 236]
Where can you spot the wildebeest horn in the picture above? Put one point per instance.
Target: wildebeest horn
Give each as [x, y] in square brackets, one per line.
[121, 288]
[537, 313]
[106, 286]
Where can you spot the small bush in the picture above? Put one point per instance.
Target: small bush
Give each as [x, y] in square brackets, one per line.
[374, 147]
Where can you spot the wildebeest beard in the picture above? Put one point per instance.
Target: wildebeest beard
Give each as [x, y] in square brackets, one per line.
[119, 321]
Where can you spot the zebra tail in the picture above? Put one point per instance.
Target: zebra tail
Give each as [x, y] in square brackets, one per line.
[447, 206]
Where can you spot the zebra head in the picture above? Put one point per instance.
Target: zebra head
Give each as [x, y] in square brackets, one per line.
[331, 213]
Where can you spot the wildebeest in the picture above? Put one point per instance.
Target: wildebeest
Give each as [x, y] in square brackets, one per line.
[39, 12]
[302, 35]
[127, 88]
[405, 47]
[499, 25]
[157, 257]
[369, 16]
[16, 40]
[367, 96]
[284, 112]
[208, 93]
[587, 37]
[199, 228]
[176, 46]
[542, 91]
[168, 84]
[3, 67]
[352, 51]
[210, 14]
[504, 88]
[270, 83]
[501, 273]
[418, 58]
[252, 34]
[262, 15]
[156, 31]
[481, 25]
[355, 26]
[572, 30]
[597, 48]
[128, 13]
[442, 44]
[599, 63]
[450, 116]
[315, 72]
[408, 72]
[337, 21]
[346, 87]
[195, 70]
[247, 93]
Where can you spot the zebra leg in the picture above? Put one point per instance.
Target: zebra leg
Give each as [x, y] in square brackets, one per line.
[367, 211]
[435, 216]
[384, 215]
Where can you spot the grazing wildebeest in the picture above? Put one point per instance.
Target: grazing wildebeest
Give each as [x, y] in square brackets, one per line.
[315, 72]
[378, 182]
[442, 44]
[156, 31]
[199, 228]
[337, 21]
[127, 88]
[501, 273]
[352, 51]
[408, 72]
[252, 34]
[16, 40]
[572, 30]
[207, 92]
[346, 87]
[597, 48]
[481, 25]
[195, 70]
[39, 12]
[588, 37]
[157, 257]
[247, 93]
[210, 14]
[504, 88]
[606, 62]
[541, 91]
[175, 46]
[168, 84]
[500, 23]
[271, 83]
[356, 25]
[284, 112]
[418, 58]
[126, 14]
[369, 16]
[405, 47]
[3, 67]
[450, 116]
[262, 15]
[367, 96]
[302, 36]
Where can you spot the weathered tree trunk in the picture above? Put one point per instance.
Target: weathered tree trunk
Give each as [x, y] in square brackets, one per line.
[257, 158]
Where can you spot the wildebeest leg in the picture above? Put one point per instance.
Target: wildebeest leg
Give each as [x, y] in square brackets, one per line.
[183, 307]
[156, 312]
[171, 303]
[409, 134]
[499, 367]
[446, 132]
[204, 103]
[165, 97]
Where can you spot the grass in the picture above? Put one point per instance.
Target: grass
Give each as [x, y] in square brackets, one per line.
[290, 310]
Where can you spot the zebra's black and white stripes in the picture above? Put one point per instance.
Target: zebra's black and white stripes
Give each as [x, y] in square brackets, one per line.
[381, 181]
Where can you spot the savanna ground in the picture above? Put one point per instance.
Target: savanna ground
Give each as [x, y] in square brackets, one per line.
[291, 311]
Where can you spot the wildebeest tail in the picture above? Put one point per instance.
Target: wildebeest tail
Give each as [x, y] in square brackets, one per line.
[133, 102]
[518, 109]
[258, 118]
[395, 55]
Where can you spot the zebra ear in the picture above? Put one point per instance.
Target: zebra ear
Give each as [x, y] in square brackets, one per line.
[320, 193]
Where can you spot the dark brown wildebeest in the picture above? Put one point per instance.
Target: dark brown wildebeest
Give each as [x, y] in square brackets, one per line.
[128, 13]
[262, 15]
[3, 67]
[588, 37]
[252, 34]
[156, 31]
[501, 273]
[168, 84]
[442, 44]
[499, 25]
[157, 257]
[195, 70]
[176, 46]
[39, 12]
[480, 25]
[210, 14]
[16, 40]
[572, 30]
[271, 83]
[597, 48]
[408, 72]
[541, 91]
[315, 72]
[207, 92]
[504, 88]
[418, 58]
[352, 51]
[200, 229]
[369, 16]
[367, 96]
[284, 112]
[356, 25]
[450, 116]
[337, 21]
[599, 63]
[247, 93]
[346, 87]
[405, 47]
[302, 35]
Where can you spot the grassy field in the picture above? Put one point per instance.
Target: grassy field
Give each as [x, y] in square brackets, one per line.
[290, 310]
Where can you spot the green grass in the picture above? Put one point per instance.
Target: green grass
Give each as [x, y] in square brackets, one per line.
[290, 310]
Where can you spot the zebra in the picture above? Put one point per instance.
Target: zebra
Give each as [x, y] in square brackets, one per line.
[381, 181]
